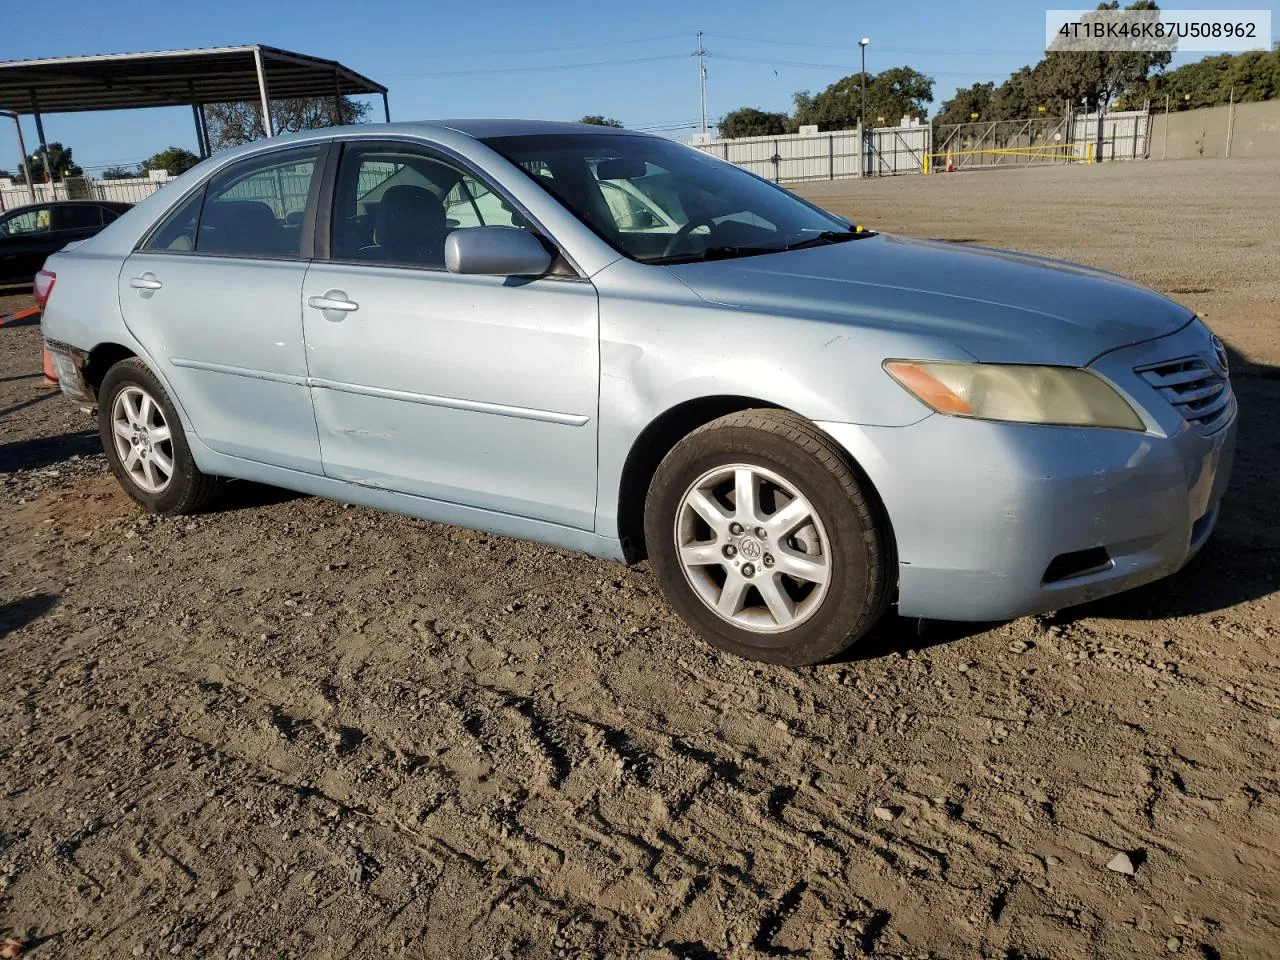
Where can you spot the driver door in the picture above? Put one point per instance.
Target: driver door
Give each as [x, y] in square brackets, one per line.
[472, 390]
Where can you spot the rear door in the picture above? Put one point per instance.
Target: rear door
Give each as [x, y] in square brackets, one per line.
[215, 296]
[27, 237]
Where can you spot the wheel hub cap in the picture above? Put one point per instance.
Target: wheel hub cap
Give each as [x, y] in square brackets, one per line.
[143, 440]
[753, 548]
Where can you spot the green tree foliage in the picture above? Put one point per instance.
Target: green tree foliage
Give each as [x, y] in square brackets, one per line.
[175, 160]
[960, 108]
[1090, 77]
[892, 94]
[231, 124]
[596, 120]
[1068, 78]
[60, 162]
[120, 173]
[751, 122]
[1252, 76]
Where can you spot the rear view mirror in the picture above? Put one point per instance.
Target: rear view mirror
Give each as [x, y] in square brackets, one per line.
[621, 168]
[496, 252]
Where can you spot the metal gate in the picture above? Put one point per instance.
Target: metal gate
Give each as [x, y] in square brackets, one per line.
[896, 150]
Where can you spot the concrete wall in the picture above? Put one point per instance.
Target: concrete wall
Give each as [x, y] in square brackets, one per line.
[1256, 132]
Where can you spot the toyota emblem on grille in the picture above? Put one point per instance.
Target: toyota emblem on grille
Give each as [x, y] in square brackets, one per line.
[1220, 354]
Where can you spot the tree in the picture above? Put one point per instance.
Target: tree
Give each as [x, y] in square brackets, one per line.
[892, 94]
[119, 173]
[960, 108]
[59, 160]
[596, 120]
[751, 122]
[1094, 77]
[6, 175]
[231, 124]
[1253, 76]
[175, 161]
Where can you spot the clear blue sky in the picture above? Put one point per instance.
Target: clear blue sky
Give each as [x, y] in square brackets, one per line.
[422, 49]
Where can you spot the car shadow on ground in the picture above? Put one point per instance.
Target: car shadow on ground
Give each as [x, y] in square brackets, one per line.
[48, 451]
[247, 495]
[18, 613]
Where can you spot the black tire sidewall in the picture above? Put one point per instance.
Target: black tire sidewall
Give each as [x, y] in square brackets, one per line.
[847, 606]
[177, 494]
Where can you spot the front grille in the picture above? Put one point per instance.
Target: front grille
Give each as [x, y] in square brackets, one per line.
[1196, 390]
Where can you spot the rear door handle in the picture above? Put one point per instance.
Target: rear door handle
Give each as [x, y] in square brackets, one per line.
[333, 300]
[147, 281]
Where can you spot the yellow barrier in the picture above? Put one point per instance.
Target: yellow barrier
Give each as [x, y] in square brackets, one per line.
[1065, 152]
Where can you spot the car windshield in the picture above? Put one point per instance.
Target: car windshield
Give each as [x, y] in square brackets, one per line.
[658, 201]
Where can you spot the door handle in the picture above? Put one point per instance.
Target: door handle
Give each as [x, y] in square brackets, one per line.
[147, 281]
[333, 300]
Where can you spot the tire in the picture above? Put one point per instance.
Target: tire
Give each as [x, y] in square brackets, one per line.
[806, 595]
[159, 441]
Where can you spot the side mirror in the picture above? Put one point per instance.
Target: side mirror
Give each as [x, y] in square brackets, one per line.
[496, 252]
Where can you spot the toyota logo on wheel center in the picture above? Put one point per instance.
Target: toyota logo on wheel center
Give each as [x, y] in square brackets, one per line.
[750, 549]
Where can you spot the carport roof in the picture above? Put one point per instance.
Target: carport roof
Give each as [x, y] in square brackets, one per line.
[171, 78]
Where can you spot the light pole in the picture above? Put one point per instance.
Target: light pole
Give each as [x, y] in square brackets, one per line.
[862, 110]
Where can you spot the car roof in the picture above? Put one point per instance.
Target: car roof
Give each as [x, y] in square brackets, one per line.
[480, 128]
[67, 203]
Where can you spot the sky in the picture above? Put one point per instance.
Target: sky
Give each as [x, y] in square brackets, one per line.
[546, 59]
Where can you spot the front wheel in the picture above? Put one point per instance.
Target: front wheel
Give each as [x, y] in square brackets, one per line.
[145, 444]
[764, 540]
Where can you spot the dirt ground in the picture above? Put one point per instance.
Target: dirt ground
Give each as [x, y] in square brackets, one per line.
[291, 728]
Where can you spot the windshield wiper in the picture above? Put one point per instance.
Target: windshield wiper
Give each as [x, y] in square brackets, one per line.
[829, 236]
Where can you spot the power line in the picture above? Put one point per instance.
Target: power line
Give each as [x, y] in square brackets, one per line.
[628, 41]
[547, 66]
[853, 47]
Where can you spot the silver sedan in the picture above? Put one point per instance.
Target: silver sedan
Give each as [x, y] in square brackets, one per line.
[613, 343]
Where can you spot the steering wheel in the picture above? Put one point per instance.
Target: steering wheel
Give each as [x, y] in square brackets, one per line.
[682, 234]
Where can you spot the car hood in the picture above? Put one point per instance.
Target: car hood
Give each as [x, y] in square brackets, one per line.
[995, 305]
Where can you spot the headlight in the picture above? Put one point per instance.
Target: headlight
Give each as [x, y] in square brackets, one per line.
[1024, 394]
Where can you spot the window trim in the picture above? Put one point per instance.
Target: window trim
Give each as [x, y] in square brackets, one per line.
[328, 197]
[306, 252]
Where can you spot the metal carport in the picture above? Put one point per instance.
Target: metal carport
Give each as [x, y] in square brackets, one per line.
[173, 78]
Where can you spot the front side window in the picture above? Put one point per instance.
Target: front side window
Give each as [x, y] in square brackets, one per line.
[37, 220]
[396, 204]
[256, 207]
[658, 201]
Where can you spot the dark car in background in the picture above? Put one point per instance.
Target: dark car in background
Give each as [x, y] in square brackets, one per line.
[31, 233]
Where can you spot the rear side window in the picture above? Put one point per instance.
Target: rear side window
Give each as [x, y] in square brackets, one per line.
[79, 217]
[177, 231]
[254, 208]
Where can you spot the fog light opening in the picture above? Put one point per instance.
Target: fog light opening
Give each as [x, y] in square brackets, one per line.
[1079, 563]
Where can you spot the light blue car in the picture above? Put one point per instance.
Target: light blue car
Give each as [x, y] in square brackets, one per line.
[796, 421]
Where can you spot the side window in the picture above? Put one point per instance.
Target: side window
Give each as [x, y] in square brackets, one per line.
[255, 208]
[79, 216]
[39, 220]
[177, 231]
[109, 215]
[396, 203]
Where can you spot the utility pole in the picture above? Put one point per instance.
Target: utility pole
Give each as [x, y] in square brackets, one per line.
[701, 54]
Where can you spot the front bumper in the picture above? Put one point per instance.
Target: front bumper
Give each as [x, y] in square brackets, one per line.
[981, 510]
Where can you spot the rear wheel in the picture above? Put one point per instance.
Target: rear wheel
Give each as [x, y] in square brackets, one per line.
[145, 443]
[764, 540]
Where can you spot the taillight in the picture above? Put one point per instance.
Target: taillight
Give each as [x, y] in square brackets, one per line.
[43, 286]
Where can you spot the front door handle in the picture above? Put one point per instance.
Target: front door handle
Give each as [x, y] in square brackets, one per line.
[333, 300]
[147, 281]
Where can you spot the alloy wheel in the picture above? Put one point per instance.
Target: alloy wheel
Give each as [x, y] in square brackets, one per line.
[143, 440]
[753, 548]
